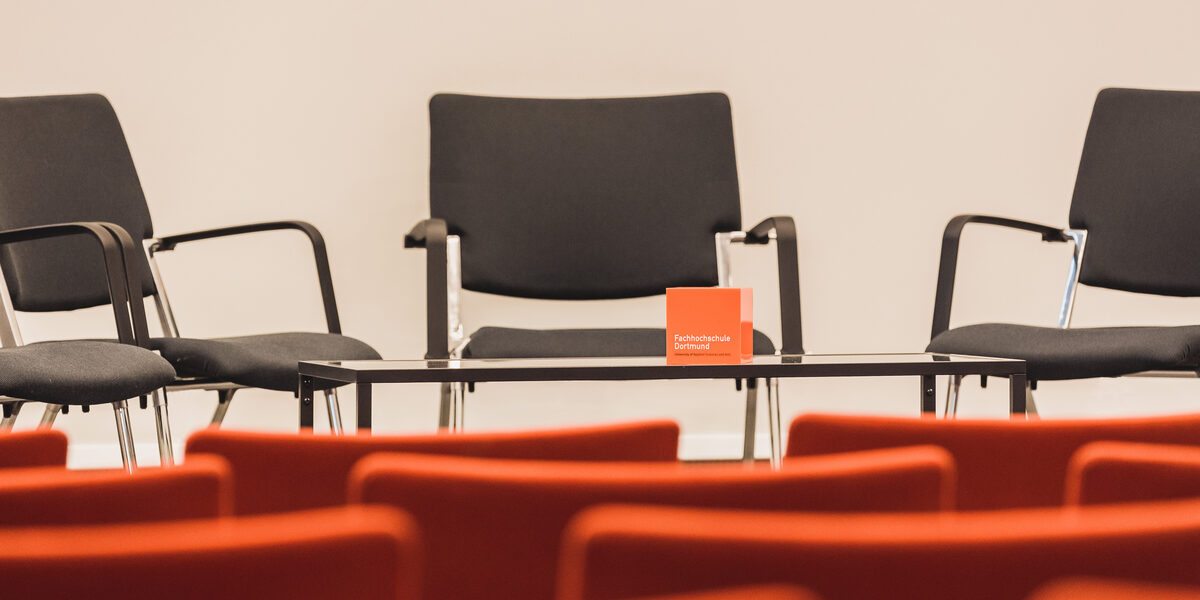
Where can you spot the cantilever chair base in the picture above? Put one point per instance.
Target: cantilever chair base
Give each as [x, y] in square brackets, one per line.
[1136, 160]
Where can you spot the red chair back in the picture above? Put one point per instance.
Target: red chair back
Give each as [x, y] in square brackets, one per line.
[1107, 589]
[39, 448]
[751, 592]
[200, 488]
[365, 553]
[1001, 463]
[281, 472]
[493, 527]
[630, 551]
[1103, 472]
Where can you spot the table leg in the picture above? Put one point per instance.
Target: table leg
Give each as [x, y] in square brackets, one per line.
[363, 397]
[444, 407]
[1016, 395]
[306, 404]
[773, 422]
[751, 420]
[928, 396]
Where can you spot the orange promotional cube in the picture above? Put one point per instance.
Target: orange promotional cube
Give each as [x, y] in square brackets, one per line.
[709, 325]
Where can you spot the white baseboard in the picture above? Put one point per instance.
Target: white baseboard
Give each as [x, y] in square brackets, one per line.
[702, 446]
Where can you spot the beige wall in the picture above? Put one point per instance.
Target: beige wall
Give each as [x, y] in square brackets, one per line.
[871, 122]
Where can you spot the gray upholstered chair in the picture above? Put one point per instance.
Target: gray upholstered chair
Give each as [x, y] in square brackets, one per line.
[1136, 212]
[585, 200]
[64, 158]
[80, 372]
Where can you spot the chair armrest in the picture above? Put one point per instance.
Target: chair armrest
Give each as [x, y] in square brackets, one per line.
[788, 262]
[944, 296]
[324, 277]
[431, 234]
[114, 268]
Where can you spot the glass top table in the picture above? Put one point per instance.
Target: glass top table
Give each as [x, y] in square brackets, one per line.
[364, 373]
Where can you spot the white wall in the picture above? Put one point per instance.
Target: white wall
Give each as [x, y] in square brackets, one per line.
[871, 122]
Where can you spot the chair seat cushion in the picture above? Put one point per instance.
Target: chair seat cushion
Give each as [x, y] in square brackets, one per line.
[1053, 353]
[265, 361]
[79, 372]
[507, 342]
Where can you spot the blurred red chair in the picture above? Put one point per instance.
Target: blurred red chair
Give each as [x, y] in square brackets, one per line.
[281, 472]
[1103, 472]
[39, 448]
[1001, 463]
[753, 592]
[629, 551]
[1107, 589]
[201, 488]
[365, 553]
[493, 527]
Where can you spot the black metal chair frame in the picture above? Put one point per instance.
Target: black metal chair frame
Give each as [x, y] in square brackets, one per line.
[445, 336]
[131, 328]
[139, 287]
[1078, 237]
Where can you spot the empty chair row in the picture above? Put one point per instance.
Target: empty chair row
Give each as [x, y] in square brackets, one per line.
[65, 159]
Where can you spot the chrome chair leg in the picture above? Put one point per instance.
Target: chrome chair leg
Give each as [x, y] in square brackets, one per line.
[125, 435]
[952, 397]
[458, 395]
[774, 423]
[224, 399]
[751, 420]
[334, 408]
[14, 409]
[162, 422]
[48, 417]
[445, 407]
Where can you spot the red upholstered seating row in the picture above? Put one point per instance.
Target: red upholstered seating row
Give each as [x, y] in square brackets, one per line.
[278, 472]
[618, 551]
[864, 524]
[55, 496]
[41, 448]
[1000, 463]
[365, 553]
[492, 527]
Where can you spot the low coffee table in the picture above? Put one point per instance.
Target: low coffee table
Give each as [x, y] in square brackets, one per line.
[365, 373]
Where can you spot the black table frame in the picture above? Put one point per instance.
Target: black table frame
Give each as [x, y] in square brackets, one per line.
[313, 373]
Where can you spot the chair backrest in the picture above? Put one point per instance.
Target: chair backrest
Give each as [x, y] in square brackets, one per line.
[1001, 463]
[1102, 472]
[1085, 588]
[39, 448]
[629, 551]
[279, 472]
[750, 592]
[584, 199]
[365, 553]
[202, 488]
[1138, 192]
[492, 527]
[62, 159]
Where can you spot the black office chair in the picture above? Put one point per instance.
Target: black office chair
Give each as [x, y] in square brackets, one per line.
[1136, 211]
[584, 200]
[78, 372]
[64, 158]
